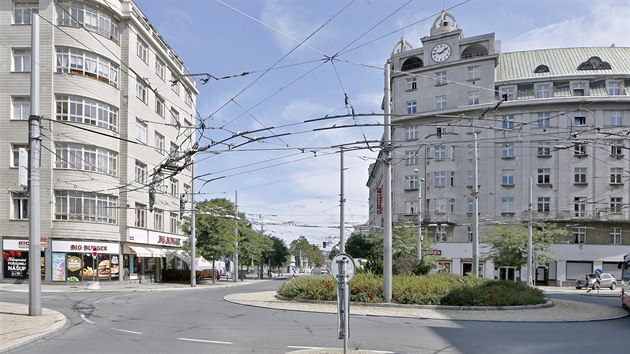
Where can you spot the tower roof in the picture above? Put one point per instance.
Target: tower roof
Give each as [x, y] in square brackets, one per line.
[444, 23]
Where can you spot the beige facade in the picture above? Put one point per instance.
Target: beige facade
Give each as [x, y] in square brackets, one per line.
[114, 107]
[557, 116]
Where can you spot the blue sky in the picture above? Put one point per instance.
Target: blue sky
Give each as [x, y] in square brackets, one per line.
[294, 179]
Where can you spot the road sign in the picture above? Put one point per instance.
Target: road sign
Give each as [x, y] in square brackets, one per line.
[343, 260]
[93, 251]
[598, 272]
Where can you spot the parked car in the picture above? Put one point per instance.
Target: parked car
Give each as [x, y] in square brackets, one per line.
[606, 281]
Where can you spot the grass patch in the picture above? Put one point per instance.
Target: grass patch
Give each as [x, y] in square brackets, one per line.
[434, 289]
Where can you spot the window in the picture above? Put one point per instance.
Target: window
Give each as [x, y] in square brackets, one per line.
[544, 204]
[160, 106]
[21, 60]
[86, 158]
[616, 147]
[159, 142]
[84, 206]
[23, 12]
[78, 14]
[410, 208]
[544, 148]
[439, 179]
[542, 90]
[141, 131]
[579, 207]
[507, 177]
[88, 111]
[439, 152]
[174, 187]
[440, 78]
[579, 150]
[174, 83]
[142, 50]
[509, 93]
[19, 206]
[411, 107]
[174, 223]
[440, 103]
[15, 154]
[579, 120]
[616, 118]
[411, 132]
[579, 175]
[470, 205]
[412, 83]
[173, 149]
[411, 182]
[79, 62]
[469, 233]
[543, 120]
[21, 107]
[160, 68]
[440, 234]
[141, 90]
[470, 178]
[507, 121]
[615, 175]
[470, 151]
[614, 88]
[579, 235]
[175, 118]
[544, 176]
[411, 157]
[473, 98]
[615, 236]
[474, 72]
[188, 99]
[141, 172]
[507, 204]
[141, 215]
[507, 150]
[616, 204]
[158, 219]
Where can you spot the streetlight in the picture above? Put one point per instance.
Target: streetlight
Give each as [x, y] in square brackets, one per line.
[420, 180]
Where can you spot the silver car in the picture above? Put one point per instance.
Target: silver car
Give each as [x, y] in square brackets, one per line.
[606, 281]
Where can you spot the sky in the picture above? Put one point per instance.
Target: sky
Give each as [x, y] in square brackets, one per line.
[310, 59]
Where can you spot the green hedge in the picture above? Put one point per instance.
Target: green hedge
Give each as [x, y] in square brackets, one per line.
[435, 289]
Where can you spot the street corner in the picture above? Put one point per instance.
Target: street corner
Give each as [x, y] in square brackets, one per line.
[24, 328]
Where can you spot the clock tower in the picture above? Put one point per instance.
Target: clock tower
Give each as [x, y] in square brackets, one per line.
[443, 42]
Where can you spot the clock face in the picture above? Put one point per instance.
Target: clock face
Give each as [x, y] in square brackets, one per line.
[441, 52]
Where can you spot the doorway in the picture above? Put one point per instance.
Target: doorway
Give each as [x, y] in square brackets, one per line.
[507, 273]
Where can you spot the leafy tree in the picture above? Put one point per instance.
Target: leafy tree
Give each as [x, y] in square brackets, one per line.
[302, 248]
[509, 243]
[358, 245]
[278, 255]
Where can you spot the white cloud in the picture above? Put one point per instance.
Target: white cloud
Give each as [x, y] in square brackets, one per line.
[603, 25]
[288, 23]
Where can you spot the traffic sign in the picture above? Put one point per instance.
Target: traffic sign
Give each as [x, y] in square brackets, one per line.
[94, 251]
[347, 263]
[598, 272]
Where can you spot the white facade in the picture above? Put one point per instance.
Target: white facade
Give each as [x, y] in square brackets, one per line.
[562, 122]
[114, 105]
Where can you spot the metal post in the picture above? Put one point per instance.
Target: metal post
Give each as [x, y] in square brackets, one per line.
[475, 193]
[235, 236]
[34, 201]
[193, 226]
[530, 278]
[419, 215]
[387, 191]
[342, 203]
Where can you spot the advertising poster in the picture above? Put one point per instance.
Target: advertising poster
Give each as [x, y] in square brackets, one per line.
[115, 268]
[73, 267]
[104, 267]
[88, 273]
[15, 264]
[58, 267]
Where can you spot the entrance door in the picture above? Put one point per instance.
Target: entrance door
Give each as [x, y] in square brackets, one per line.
[507, 273]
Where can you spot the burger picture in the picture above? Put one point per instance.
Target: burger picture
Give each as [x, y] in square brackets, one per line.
[104, 269]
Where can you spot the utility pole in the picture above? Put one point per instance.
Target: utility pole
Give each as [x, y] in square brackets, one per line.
[235, 236]
[342, 204]
[34, 201]
[475, 193]
[193, 220]
[530, 267]
[387, 190]
[420, 179]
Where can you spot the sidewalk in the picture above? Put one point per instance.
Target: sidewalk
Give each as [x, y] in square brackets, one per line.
[25, 329]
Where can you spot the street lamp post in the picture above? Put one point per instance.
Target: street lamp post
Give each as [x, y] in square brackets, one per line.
[420, 180]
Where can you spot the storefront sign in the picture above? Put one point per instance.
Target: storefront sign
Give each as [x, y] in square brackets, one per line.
[137, 235]
[379, 201]
[433, 252]
[22, 244]
[162, 239]
[85, 247]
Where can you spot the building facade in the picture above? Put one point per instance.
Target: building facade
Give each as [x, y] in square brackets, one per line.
[559, 117]
[115, 105]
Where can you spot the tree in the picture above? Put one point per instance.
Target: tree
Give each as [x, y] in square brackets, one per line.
[278, 255]
[358, 245]
[509, 243]
[302, 249]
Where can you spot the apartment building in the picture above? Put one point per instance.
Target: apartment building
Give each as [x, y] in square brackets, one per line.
[559, 117]
[115, 104]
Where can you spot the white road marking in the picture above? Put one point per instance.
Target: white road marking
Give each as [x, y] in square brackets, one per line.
[204, 341]
[126, 331]
[300, 347]
[85, 319]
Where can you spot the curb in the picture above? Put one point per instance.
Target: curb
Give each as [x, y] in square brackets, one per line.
[59, 324]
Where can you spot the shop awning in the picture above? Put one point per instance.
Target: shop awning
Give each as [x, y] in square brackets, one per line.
[153, 251]
[141, 251]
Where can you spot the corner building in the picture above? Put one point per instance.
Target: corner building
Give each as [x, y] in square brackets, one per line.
[115, 104]
[558, 116]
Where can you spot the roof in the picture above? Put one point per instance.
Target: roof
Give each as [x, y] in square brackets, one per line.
[562, 62]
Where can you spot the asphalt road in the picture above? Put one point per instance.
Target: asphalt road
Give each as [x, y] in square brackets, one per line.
[199, 321]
